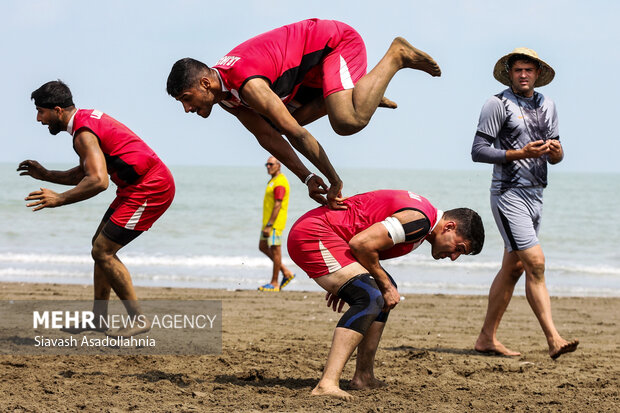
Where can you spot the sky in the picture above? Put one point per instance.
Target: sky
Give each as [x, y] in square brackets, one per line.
[116, 55]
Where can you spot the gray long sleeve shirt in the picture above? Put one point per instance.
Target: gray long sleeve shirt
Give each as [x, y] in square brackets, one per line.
[508, 122]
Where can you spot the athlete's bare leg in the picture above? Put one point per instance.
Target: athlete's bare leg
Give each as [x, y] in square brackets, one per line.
[343, 344]
[311, 111]
[538, 297]
[344, 341]
[100, 305]
[350, 110]
[316, 109]
[117, 276]
[499, 297]
[364, 376]
[102, 295]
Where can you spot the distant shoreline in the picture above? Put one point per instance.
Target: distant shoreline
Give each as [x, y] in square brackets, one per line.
[353, 169]
[205, 289]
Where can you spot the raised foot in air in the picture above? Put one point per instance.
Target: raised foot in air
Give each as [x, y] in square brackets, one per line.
[415, 58]
[387, 103]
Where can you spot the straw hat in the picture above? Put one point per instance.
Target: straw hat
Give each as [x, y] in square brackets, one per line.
[500, 71]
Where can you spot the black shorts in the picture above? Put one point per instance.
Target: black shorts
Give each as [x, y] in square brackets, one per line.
[116, 233]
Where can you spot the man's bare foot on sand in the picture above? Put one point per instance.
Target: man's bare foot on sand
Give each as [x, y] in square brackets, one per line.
[331, 391]
[414, 58]
[372, 383]
[566, 347]
[387, 103]
[494, 348]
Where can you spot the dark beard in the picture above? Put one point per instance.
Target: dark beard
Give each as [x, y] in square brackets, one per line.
[55, 127]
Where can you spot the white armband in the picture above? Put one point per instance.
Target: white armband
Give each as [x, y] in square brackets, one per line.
[395, 229]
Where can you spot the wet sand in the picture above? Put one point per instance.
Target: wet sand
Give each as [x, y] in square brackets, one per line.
[275, 344]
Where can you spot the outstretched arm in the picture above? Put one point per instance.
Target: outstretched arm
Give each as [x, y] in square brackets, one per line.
[276, 145]
[34, 169]
[93, 181]
[261, 98]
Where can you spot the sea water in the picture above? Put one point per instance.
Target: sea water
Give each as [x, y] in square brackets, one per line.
[209, 236]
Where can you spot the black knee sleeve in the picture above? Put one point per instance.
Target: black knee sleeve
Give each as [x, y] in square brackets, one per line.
[365, 303]
[383, 316]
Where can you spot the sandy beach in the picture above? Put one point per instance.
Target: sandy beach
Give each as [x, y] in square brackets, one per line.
[275, 344]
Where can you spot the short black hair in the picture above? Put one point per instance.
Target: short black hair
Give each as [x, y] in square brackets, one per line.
[184, 75]
[516, 57]
[52, 94]
[469, 226]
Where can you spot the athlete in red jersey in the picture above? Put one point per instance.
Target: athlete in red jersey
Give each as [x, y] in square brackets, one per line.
[308, 52]
[319, 241]
[341, 251]
[145, 188]
[281, 80]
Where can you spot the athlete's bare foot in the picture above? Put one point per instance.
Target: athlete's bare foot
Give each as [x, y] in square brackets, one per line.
[372, 383]
[387, 103]
[567, 347]
[494, 348]
[415, 58]
[331, 391]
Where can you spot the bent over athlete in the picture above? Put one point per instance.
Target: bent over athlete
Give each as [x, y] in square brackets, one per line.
[279, 81]
[145, 188]
[341, 251]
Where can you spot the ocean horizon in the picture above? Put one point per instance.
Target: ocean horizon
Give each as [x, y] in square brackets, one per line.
[209, 236]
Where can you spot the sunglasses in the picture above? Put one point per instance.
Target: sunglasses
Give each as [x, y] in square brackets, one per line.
[269, 164]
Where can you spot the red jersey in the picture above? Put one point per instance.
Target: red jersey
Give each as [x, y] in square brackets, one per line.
[319, 241]
[127, 157]
[372, 207]
[294, 54]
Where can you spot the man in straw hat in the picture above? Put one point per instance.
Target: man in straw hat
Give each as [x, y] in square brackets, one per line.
[518, 133]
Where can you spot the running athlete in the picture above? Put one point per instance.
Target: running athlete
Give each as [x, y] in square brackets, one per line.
[341, 251]
[145, 189]
[518, 133]
[279, 81]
